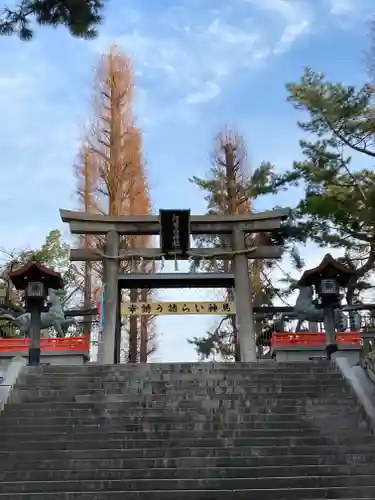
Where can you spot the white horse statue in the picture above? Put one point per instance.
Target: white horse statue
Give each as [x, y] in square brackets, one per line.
[55, 316]
[306, 310]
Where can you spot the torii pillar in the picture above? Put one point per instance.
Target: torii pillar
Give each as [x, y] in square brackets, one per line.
[243, 296]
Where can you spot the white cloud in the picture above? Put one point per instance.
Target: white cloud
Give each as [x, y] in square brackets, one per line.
[9, 82]
[286, 9]
[191, 57]
[289, 35]
[197, 59]
[232, 35]
[210, 91]
[350, 12]
[295, 18]
[342, 7]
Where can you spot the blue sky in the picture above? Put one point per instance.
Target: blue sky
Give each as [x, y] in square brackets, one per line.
[198, 64]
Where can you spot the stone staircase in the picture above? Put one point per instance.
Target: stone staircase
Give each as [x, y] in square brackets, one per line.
[185, 431]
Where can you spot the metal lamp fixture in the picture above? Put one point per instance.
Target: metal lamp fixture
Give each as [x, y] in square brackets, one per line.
[328, 289]
[36, 290]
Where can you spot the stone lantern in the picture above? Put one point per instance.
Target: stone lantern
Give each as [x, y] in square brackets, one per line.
[34, 280]
[328, 278]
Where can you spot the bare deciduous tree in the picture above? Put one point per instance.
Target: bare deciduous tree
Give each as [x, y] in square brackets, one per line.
[231, 190]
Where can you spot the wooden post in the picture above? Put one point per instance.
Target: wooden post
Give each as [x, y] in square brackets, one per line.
[111, 297]
[242, 290]
[34, 308]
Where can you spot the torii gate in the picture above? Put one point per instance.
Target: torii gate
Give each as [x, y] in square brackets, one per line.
[175, 228]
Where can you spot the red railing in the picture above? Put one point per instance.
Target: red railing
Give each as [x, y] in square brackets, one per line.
[286, 339]
[46, 344]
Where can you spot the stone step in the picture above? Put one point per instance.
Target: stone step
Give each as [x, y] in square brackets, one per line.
[174, 376]
[288, 424]
[248, 420]
[148, 414]
[180, 448]
[235, 401]
[280, 471]
[95, 411]
[12, 463]
[182, 422]
[206, 370]
[169, 398]
[342, 493]
[130, 383]
[225, 451]
[187, 366]
[190, 382]
[259, 483]
[200, 429]
[137, 371]
[114, 402]
[127, 442]
[194, 436]
[188, 386]
[179, 385]
[182, 385]
[165, 376]
[198, 390]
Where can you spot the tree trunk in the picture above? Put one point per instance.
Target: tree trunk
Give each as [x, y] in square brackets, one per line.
[87, 298]
[143, 332]
[368, 266]
[133, 331]
[231, 210]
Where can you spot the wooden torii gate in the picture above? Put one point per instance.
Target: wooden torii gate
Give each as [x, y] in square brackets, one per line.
[175, 228]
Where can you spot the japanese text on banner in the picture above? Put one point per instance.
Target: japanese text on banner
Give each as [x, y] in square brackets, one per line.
[158, 308]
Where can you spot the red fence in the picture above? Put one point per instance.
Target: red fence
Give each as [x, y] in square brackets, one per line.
[286, 339]
[46, 344]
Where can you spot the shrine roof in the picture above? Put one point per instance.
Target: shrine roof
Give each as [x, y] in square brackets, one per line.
[35, 271]
[329, 265]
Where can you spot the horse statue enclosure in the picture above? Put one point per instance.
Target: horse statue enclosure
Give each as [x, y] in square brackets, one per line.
[54, 317]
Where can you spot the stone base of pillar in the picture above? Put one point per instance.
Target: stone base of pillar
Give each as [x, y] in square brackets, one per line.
[34, 356]
[331, 349]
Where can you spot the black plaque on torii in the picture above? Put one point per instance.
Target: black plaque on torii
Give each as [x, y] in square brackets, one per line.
[174, 232]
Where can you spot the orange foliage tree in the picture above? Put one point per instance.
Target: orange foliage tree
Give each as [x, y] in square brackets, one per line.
[111, 174]
[85, 191]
